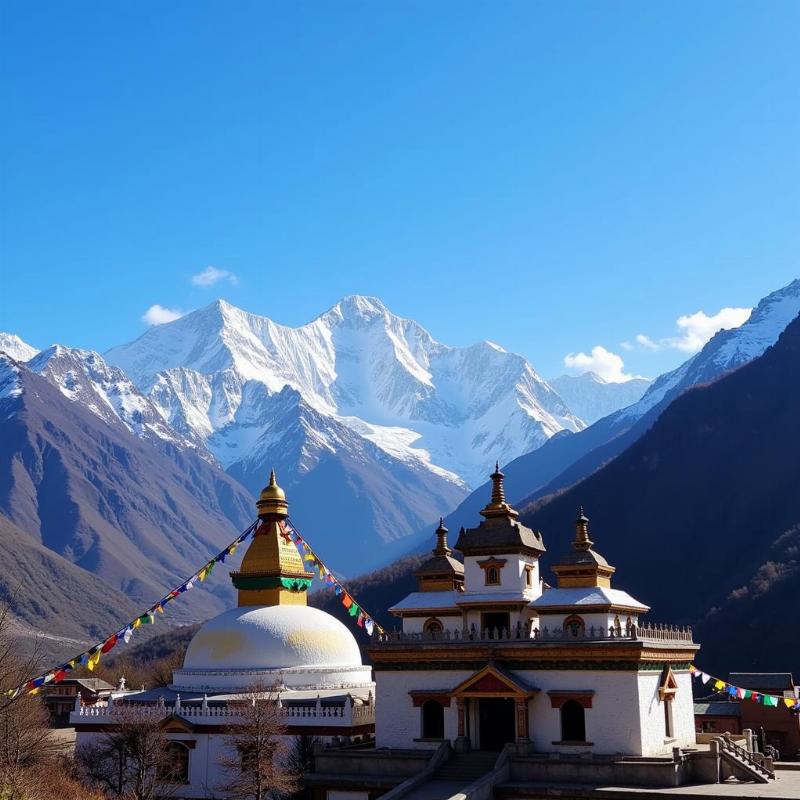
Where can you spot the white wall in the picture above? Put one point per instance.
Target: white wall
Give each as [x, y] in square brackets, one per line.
[512, 575]
[654, 738]
[612, 723]
[398, 723]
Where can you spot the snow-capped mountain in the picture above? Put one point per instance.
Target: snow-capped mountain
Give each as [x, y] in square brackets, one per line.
[11, 344]
[84, 377]
[449, 411]
[565, 460]
[592, 398]
[727, 350]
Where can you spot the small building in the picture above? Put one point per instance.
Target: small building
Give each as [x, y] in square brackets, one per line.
[717, 717]
[59, 698]
[781, 727]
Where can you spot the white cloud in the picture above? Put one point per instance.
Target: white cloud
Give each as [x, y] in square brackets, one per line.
[646, 342]
[211, 275]
[695, 330]
[609, 366]
[158, 315]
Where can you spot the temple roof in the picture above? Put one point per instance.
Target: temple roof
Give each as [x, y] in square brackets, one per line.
[587, 596]
[499, 532]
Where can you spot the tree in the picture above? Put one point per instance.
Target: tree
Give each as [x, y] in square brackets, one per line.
[301, 761]
[32, 763]
[257, 750]
[134, 758]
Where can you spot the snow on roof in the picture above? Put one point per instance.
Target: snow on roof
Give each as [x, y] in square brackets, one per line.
[433, 601]
[468, 598]
[587, 596]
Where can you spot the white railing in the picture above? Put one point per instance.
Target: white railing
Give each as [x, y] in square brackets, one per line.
[661, 633]
[318, 714]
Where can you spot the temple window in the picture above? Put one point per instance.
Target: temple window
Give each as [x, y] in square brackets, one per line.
[668, 727]
[574, 626]
[432, 625]
[667, 688]
[529, 576]
[175, 768]
[432, 720]
[491, 570]
[573, 722]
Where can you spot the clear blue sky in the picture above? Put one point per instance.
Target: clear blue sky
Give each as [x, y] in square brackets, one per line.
[551, 176]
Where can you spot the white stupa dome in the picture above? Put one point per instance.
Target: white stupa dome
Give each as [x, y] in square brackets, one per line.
[294, 645]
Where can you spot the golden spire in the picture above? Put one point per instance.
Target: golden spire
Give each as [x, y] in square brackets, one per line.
[272, 499]
[441, 548]
[272, 571]
[582, 540]
[498, 507]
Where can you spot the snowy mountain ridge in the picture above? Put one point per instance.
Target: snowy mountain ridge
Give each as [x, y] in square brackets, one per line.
[592, 398]
[84, 377]
[453, 411]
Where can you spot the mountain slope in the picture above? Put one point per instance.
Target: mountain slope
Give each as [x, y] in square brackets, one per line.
[701, 516]
[139, 514]
[447, 410]
[566, 459]
[592, 398]
[44, 591]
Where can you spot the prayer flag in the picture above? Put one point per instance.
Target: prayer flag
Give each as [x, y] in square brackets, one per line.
[353, 610]
[126, 637]
[347, 601]
[705, 677]
[769, 700]
[718, 684]
[368, 625]
[360, 620]
[109, 644]
[788, 701]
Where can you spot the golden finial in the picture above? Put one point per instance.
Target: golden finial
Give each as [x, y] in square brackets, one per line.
[582, 540]
[441, 548]
[498, 507]
[272, 499]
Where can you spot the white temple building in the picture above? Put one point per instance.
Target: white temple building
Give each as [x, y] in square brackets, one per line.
[273, 640]
[489, 654]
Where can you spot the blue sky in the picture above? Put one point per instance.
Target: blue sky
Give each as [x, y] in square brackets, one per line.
[551, 176]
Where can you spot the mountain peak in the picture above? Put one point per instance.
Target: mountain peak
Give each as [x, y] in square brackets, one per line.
[358, 307]
[18, 349]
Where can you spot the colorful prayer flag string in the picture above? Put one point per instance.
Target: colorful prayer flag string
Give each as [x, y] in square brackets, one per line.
[718, 685]
[91, 658]
[362, 618]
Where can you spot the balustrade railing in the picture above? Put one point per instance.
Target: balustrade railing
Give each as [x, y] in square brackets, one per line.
[323, 714]
[662, 633]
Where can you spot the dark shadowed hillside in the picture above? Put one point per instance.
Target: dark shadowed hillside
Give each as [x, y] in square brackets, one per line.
[701, 516]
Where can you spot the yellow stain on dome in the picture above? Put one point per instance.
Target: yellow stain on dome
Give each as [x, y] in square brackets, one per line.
[220, 644]
[304, 637]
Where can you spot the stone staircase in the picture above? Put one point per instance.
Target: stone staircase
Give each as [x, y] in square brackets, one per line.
[743, 764]
[466, 767]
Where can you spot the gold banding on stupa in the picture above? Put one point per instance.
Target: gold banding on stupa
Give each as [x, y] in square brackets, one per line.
[272, 571]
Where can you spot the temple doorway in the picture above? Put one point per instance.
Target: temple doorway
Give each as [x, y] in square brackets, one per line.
[496, 725]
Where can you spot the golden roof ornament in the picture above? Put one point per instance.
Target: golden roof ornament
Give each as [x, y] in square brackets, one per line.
[582, 540]
[272, 499]
[498, 507]
[441, 548]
